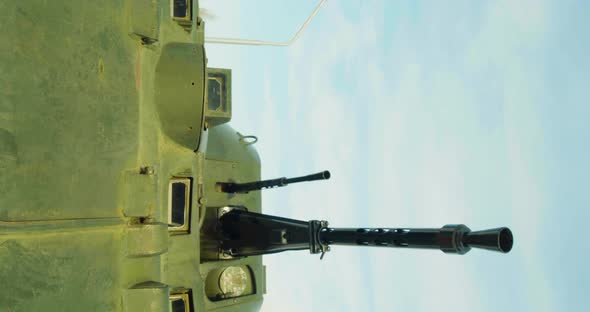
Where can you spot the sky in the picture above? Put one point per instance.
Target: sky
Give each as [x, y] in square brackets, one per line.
[426, 114]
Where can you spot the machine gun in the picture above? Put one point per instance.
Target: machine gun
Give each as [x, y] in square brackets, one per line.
[242, 233]
[230, 187]
[239, 233]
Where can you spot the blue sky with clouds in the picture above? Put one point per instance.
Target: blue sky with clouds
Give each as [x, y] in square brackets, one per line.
[426, 113]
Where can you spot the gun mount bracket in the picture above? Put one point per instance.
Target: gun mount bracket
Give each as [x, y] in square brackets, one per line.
[315, 243]
[227, 254]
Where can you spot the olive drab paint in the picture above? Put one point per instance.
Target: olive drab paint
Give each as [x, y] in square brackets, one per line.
[105, 126]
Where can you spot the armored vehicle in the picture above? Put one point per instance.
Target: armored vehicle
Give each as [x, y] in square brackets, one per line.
[122, 186]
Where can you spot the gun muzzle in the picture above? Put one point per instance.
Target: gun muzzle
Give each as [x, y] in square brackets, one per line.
[498, 239]
[324, 175]
[450, 239]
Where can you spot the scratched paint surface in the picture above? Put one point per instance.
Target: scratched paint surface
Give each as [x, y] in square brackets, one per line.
[69, 108]
[48, 272]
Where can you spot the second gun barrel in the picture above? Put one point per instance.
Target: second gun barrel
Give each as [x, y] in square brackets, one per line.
[324, 175]
[231, 187]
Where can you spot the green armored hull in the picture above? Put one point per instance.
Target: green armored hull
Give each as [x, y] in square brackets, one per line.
[111, 142]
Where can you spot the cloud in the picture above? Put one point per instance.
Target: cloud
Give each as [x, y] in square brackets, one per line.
[269, 126]
[222, 18]
[206, 14]
[426, 115]
[327, 126]
[427, 143]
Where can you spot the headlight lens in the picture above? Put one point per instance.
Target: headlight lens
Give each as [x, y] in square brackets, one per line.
[233, 281]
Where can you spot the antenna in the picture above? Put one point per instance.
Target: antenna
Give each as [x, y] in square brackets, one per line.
[267, 43]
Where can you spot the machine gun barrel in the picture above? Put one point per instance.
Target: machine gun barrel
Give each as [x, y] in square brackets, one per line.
[324, 175]
[230, 187]
[450, 238]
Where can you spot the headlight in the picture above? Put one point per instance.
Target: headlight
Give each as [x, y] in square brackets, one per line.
[233, 281]
[229, 282]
